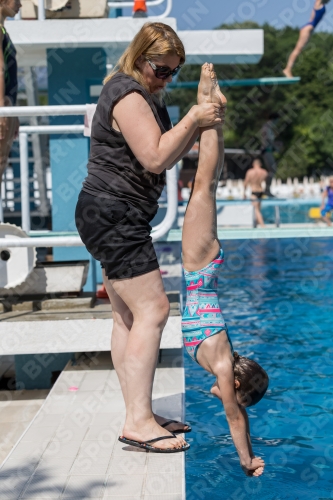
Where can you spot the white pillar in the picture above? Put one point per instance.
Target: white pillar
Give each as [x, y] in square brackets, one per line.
[25, 194]
[41, 10]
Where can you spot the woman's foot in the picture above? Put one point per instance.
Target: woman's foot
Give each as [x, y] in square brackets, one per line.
[287, 73]
[150, 430]
[173, 426]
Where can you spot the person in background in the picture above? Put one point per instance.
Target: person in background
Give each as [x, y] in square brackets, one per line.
[305, 33]
[327, 208]
[254, 178]
[8, 82]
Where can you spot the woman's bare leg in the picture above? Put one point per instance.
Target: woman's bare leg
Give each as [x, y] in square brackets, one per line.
[135, 359]
[304, 37]
[200, 243]
[122, 325]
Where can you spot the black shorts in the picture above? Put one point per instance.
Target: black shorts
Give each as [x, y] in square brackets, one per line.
[117, 234]
[258, 194]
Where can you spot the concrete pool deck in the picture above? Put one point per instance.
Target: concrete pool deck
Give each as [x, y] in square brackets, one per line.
[17, 409]
[71, 449]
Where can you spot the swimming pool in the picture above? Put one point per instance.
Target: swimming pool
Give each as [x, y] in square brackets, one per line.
[277, 298]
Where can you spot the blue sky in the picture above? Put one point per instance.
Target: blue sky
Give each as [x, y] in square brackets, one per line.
[207, 14]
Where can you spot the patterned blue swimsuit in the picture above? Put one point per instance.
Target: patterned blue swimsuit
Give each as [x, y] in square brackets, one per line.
[202, 316]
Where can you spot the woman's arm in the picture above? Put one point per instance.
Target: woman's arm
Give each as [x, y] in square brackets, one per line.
[187, 148]
[154, 150]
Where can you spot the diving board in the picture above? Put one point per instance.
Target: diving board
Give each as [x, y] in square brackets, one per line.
[33, 38]
[250, 82]
[302, 230]
[287, 231]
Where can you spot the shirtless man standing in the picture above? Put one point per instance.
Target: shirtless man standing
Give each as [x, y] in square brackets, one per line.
[254, 178]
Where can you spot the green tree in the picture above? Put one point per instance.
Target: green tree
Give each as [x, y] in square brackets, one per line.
[305, 110]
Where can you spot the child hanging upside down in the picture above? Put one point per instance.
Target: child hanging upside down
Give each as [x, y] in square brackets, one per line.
[240, 382]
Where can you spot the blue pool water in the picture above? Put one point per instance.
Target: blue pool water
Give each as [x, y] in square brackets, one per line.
[293, 211]
[277, 298]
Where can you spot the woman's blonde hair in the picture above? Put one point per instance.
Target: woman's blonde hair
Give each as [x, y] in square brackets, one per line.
[153, 40]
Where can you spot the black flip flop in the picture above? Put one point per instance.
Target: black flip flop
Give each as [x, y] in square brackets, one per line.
[180, 431]
[146, 445]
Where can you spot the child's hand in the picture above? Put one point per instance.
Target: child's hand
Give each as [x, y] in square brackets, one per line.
[255, 468]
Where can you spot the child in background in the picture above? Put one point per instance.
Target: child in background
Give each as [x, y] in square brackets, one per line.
[326, 208]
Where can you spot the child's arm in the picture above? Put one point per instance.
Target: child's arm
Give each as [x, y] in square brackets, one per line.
[248, 435]
[238, 424]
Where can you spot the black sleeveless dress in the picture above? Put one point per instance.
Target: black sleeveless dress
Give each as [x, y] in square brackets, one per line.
[119, 197]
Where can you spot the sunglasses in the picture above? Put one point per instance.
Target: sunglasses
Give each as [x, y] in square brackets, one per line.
[163, 72]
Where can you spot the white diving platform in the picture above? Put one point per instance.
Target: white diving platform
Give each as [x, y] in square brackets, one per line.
[71, 449]
[33, 38]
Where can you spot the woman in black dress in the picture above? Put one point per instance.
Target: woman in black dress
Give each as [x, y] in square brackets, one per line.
[132, 144]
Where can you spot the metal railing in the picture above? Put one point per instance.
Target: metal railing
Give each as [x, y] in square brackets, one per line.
[172, 187]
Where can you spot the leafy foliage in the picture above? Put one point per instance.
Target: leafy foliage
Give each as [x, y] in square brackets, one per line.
[305, 125]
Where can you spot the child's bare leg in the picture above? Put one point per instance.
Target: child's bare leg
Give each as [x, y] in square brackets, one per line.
[200, 241]
[328, 219]
[304, 37]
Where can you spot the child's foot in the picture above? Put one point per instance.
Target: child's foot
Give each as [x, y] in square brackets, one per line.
[287, 73]
[216, 95]
[205, 85]
[326, 220]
